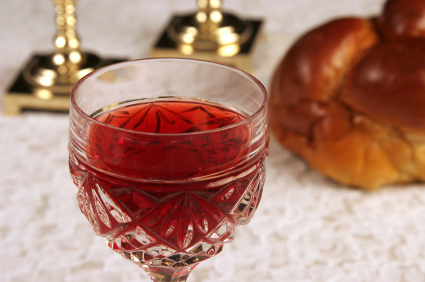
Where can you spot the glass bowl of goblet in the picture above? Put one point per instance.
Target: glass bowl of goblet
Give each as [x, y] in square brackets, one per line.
[168, 156]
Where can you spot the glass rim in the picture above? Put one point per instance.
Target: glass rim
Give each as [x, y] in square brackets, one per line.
[103, 69]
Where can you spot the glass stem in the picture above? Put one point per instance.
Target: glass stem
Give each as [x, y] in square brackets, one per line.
[168, 274]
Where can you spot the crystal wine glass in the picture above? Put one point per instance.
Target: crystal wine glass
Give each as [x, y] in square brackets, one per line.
[169, 157]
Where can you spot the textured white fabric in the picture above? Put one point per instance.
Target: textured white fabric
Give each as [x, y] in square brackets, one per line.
[307, 228]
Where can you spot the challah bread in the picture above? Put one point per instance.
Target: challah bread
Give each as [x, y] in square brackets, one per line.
[349, 97]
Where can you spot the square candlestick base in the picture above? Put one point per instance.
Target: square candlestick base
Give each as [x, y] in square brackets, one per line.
[167, 47]
[23, 96]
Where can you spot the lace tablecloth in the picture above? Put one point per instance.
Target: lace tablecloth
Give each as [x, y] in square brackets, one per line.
[307, 227]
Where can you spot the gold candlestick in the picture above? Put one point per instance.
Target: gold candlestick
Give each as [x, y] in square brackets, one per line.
[210, 34]
[59, 71]
[47, 80]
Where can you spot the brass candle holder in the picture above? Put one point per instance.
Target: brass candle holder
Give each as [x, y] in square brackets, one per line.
[212, 35]
[47, 79]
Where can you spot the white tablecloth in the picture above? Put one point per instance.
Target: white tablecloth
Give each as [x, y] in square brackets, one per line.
[307, 227]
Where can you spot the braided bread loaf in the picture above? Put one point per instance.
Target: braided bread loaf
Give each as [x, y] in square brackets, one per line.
[349, 97]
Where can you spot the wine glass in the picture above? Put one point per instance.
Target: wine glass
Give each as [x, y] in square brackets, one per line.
[168, 156]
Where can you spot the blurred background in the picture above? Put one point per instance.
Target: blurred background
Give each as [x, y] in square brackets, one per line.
[307, 228]
[130, 28]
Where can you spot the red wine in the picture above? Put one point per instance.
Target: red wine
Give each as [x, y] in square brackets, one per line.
[161, 171]
[167, 157]
[172, 116]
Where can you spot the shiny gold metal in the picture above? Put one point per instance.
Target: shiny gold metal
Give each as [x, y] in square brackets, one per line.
[46, 80]
[59, 71]
[210, 34]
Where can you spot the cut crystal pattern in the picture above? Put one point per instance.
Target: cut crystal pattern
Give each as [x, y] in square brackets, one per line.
[138, 237]
[110, 204]
[161, 250]
[173, 230]
[225, 232]
[101, 210]
[86, 206]
[244, 210]
[77, 178]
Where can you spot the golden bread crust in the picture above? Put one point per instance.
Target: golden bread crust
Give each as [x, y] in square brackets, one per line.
[349, 98]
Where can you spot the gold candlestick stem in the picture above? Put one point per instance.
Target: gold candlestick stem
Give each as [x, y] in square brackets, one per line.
[66, 38]
[209, 18]
[67, 55]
